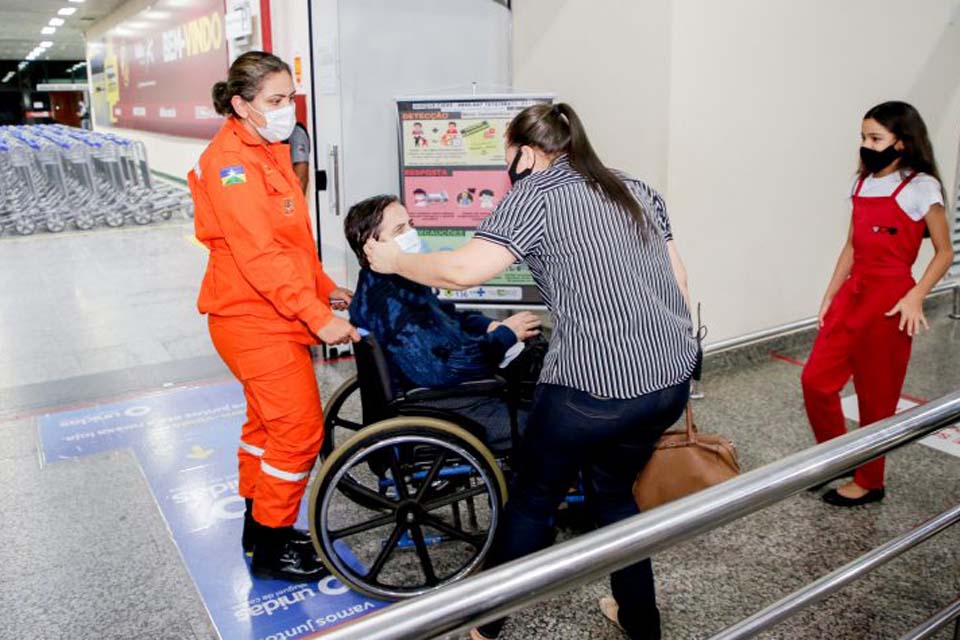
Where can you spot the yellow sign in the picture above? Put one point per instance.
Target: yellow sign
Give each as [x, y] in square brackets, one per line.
[199, 453]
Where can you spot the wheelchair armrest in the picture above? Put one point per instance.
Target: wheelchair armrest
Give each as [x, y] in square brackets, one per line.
[475, 388]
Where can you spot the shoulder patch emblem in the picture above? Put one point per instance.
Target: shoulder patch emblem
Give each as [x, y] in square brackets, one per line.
[232, 175]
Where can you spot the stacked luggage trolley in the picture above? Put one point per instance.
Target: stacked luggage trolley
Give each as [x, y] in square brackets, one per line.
[54, 178]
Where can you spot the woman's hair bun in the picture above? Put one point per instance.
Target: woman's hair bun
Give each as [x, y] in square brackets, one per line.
[221, 99]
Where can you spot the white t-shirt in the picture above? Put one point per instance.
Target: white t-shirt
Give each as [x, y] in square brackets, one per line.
[916, 198]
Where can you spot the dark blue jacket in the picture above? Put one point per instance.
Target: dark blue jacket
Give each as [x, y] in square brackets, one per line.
[427, 342]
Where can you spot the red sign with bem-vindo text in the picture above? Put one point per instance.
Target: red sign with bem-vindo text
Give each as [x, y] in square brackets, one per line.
[154, 70]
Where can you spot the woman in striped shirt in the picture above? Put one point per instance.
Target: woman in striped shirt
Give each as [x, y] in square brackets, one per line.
[617, 373]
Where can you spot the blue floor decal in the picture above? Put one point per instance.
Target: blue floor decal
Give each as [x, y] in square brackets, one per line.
[186, 441]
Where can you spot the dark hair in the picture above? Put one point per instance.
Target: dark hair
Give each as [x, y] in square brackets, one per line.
[904, 122]
[558, 129]
[363, 222]
[245, 78]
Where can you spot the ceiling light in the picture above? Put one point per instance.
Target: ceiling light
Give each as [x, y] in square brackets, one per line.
[67, 11]
[47, 31]
[56, 22]
[77, 1]
[46, 44]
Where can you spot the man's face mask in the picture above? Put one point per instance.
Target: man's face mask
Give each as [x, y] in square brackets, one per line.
[409, 241]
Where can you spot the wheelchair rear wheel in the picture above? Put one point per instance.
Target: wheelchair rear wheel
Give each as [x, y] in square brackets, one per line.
[426, 521]
[344, 401]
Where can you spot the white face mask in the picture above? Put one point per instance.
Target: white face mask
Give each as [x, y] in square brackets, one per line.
[409, 242]
[280, 123]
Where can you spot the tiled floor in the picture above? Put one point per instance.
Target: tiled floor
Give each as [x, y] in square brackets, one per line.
[86, 302]
[86, 554]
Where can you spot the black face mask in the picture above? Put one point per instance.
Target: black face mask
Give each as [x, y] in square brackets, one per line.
[512, 171]
[875, 161]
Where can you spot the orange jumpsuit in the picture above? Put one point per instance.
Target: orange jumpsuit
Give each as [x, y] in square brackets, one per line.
[266, 294]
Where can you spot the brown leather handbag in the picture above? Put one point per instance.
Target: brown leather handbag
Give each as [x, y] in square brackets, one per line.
[684, 462]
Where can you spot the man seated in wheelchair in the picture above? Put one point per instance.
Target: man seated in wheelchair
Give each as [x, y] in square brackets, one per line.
[428, 343]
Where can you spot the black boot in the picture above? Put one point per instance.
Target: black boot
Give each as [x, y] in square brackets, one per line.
[251, 528]
[277, 556]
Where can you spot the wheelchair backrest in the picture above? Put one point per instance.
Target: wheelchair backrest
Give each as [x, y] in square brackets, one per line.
[373, 376]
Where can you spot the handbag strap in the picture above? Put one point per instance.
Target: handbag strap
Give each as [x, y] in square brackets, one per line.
[691, 428]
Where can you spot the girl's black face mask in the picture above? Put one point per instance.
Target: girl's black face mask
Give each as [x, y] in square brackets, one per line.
[875, 161]
[512, 171]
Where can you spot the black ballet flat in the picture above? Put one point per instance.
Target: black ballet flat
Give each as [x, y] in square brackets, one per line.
[815, 488]
[833, 497]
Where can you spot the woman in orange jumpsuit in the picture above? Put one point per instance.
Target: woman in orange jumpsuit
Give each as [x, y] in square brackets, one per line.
[267, 299]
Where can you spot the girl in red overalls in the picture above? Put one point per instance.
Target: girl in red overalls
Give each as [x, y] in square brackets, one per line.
[873, 307]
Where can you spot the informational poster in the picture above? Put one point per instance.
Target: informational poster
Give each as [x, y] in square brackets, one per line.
[154, 70]
[186, 441]
[453, 174]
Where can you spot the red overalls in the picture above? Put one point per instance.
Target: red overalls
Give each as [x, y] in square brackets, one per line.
[857, 337]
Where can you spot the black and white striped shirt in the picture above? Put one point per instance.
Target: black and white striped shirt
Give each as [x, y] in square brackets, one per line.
[621, 325]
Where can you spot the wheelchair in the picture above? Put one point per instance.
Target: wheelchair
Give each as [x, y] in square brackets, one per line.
[411, 500]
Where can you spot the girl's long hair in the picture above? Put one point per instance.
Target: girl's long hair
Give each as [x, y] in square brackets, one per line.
[904, 122]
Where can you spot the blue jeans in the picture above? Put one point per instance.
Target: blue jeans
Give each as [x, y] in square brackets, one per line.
[609, 441]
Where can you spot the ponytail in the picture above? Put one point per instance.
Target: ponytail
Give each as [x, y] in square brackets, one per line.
[221, 99]
[558, 129]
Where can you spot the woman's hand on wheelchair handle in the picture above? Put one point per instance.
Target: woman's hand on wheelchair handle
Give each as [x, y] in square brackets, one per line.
[340, 299]
[524, 324]
[338, 331]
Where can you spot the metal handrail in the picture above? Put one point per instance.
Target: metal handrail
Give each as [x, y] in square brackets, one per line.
[513, 586]
[938, 621]
[836, 580]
